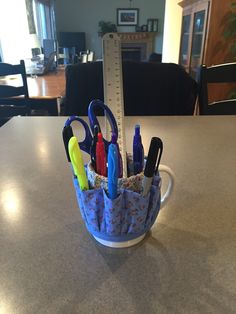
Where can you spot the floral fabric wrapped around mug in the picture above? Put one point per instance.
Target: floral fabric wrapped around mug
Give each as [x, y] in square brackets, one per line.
[128, 216]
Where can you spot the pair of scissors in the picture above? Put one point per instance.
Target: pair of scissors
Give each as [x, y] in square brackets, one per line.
[86, 144]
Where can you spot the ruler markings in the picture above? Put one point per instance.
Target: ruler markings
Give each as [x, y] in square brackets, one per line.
[113, 87]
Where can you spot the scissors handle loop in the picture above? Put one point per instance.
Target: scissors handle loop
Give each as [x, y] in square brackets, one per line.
[86, 143]
[93, 119]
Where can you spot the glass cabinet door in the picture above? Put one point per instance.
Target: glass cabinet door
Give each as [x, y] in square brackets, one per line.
[193, 35]
[197, 42]
[185, 40]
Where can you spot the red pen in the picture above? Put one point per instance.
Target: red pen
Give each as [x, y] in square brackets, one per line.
[101, 160]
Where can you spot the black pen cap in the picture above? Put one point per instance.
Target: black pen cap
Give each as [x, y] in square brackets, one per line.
[152, 157]
[67, 133]
[96, 130]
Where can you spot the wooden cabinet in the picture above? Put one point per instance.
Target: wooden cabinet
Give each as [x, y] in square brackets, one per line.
[203, 39]
[193, 34]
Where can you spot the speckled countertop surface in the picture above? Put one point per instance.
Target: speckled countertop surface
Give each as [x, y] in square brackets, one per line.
[50, 264]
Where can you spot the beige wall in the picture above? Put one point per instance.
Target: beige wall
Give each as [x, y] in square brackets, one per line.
[172, 31]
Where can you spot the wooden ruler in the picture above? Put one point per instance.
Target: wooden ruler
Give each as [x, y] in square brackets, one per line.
[113, 88]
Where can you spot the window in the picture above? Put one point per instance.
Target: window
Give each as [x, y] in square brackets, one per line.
[44, 19]
[17, 39]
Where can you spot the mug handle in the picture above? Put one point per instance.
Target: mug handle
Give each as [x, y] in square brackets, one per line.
[165, 198]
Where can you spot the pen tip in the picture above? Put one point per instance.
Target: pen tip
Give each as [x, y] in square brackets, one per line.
[100, 139]
[96, 129]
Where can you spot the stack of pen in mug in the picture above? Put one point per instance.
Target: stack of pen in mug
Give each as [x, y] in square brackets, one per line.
[110, 204]
[110, 165]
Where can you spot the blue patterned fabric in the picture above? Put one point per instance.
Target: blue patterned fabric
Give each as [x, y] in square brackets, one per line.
[124, 218]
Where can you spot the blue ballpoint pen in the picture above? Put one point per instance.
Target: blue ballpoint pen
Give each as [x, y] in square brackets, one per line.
[138, 154]
[112, 171]
[120, 164]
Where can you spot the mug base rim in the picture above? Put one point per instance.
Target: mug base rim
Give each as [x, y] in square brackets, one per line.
[122, 244]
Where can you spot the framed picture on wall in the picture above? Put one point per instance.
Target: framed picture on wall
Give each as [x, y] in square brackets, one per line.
[152, 25]
[127, 17]
[155, 25]
[149, 25]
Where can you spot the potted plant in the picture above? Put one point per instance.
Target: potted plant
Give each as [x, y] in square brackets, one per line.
[106, 27]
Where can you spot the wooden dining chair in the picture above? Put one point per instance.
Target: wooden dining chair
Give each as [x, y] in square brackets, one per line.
[222, 73]
[11, 104]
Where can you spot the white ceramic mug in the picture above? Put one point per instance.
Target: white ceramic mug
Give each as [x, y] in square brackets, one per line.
[165, 198]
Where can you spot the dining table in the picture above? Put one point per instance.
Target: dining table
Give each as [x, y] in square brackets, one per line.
[45, 91]
[49, 262]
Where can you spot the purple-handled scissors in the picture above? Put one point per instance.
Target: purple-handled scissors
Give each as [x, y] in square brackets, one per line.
[85, 145]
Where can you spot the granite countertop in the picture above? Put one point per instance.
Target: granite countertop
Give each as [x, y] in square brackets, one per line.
[49, 263]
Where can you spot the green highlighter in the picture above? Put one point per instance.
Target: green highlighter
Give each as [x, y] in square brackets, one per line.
[78, 163]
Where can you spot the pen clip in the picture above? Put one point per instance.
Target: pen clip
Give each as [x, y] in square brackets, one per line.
[114, 160]
[138, 153]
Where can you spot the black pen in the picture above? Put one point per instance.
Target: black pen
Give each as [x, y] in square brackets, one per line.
[93, 146]
[154, 148]
[67, 133]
